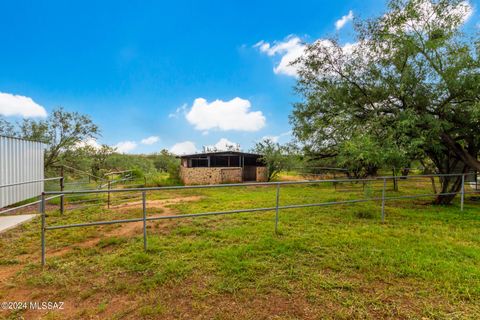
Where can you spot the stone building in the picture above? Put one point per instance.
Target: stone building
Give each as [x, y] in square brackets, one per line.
[222, 167]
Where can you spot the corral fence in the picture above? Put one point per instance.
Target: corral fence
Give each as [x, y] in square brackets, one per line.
[60, 184]
[276, 208]
[32, 203]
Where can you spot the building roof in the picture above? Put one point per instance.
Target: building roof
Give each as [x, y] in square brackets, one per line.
[220, 153]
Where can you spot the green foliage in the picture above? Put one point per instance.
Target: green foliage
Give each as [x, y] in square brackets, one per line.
[137, 173]
[87, 158]
[141, 164]
[161, 179]
[409, 86]
[276, 157]
[360, 156]
[363, 155]
[62, 131]
[165, 161]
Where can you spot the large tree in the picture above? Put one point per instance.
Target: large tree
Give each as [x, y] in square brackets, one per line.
[412, 79]
[62, 131]
[276, 157]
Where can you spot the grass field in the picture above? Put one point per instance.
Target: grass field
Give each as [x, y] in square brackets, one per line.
[326, 262]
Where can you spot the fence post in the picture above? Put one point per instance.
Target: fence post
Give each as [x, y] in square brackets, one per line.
[42, 209]
[277, 207]
[62, 188]
[383, 198]
[40, 204]
[108, 199]
[144, 202]
[462, 198]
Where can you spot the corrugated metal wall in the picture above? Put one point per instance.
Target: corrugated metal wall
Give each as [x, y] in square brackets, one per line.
[20, 161]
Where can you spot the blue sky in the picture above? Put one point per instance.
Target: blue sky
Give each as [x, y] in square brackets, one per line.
[155, 69]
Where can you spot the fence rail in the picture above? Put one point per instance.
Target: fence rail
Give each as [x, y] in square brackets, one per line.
[62, 186]
[28, 182]
[383, 198]
[230, 185]
[61, 181]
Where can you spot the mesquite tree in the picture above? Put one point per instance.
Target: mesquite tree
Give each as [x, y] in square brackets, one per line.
[61, 131]
[276, 157]
[411, 80]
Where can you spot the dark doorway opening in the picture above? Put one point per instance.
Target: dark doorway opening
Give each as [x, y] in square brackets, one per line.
[249, 173]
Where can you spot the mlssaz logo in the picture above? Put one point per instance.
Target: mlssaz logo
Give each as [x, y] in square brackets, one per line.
[47, 305]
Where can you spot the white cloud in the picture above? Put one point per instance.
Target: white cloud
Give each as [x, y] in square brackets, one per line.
[275, 139]
[179, 111]
[225, 115]
[16, 105]
[150, 140]
[340, 23]
[89, 142]
[125, 146]
[292, 48]
[224, 144]
[289, 50]
[271, 138]
[185, 147]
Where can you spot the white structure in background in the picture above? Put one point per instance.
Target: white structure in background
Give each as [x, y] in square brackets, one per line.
[20, 161]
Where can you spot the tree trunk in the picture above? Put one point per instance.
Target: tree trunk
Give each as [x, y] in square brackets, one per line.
[405, 172]
[467, 155]
[450, 185]
[395, 184]
[448, 162]
[434, 185]
[371, 171]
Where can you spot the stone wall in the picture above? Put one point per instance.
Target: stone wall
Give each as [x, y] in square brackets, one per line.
[201, 175]
[262, 174]
[231, 175]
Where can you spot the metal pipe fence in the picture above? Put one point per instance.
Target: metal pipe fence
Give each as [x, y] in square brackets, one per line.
[82, 172]
[61, 196]
[277, 208]
[62, 185]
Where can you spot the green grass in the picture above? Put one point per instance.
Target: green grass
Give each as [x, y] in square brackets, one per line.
[326, 262]
[160, 179]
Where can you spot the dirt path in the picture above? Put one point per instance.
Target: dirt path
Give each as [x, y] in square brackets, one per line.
[122, 230]
[133, 228]
[162, 204]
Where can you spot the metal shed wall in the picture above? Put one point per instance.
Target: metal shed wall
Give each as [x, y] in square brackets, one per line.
[20, 161]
